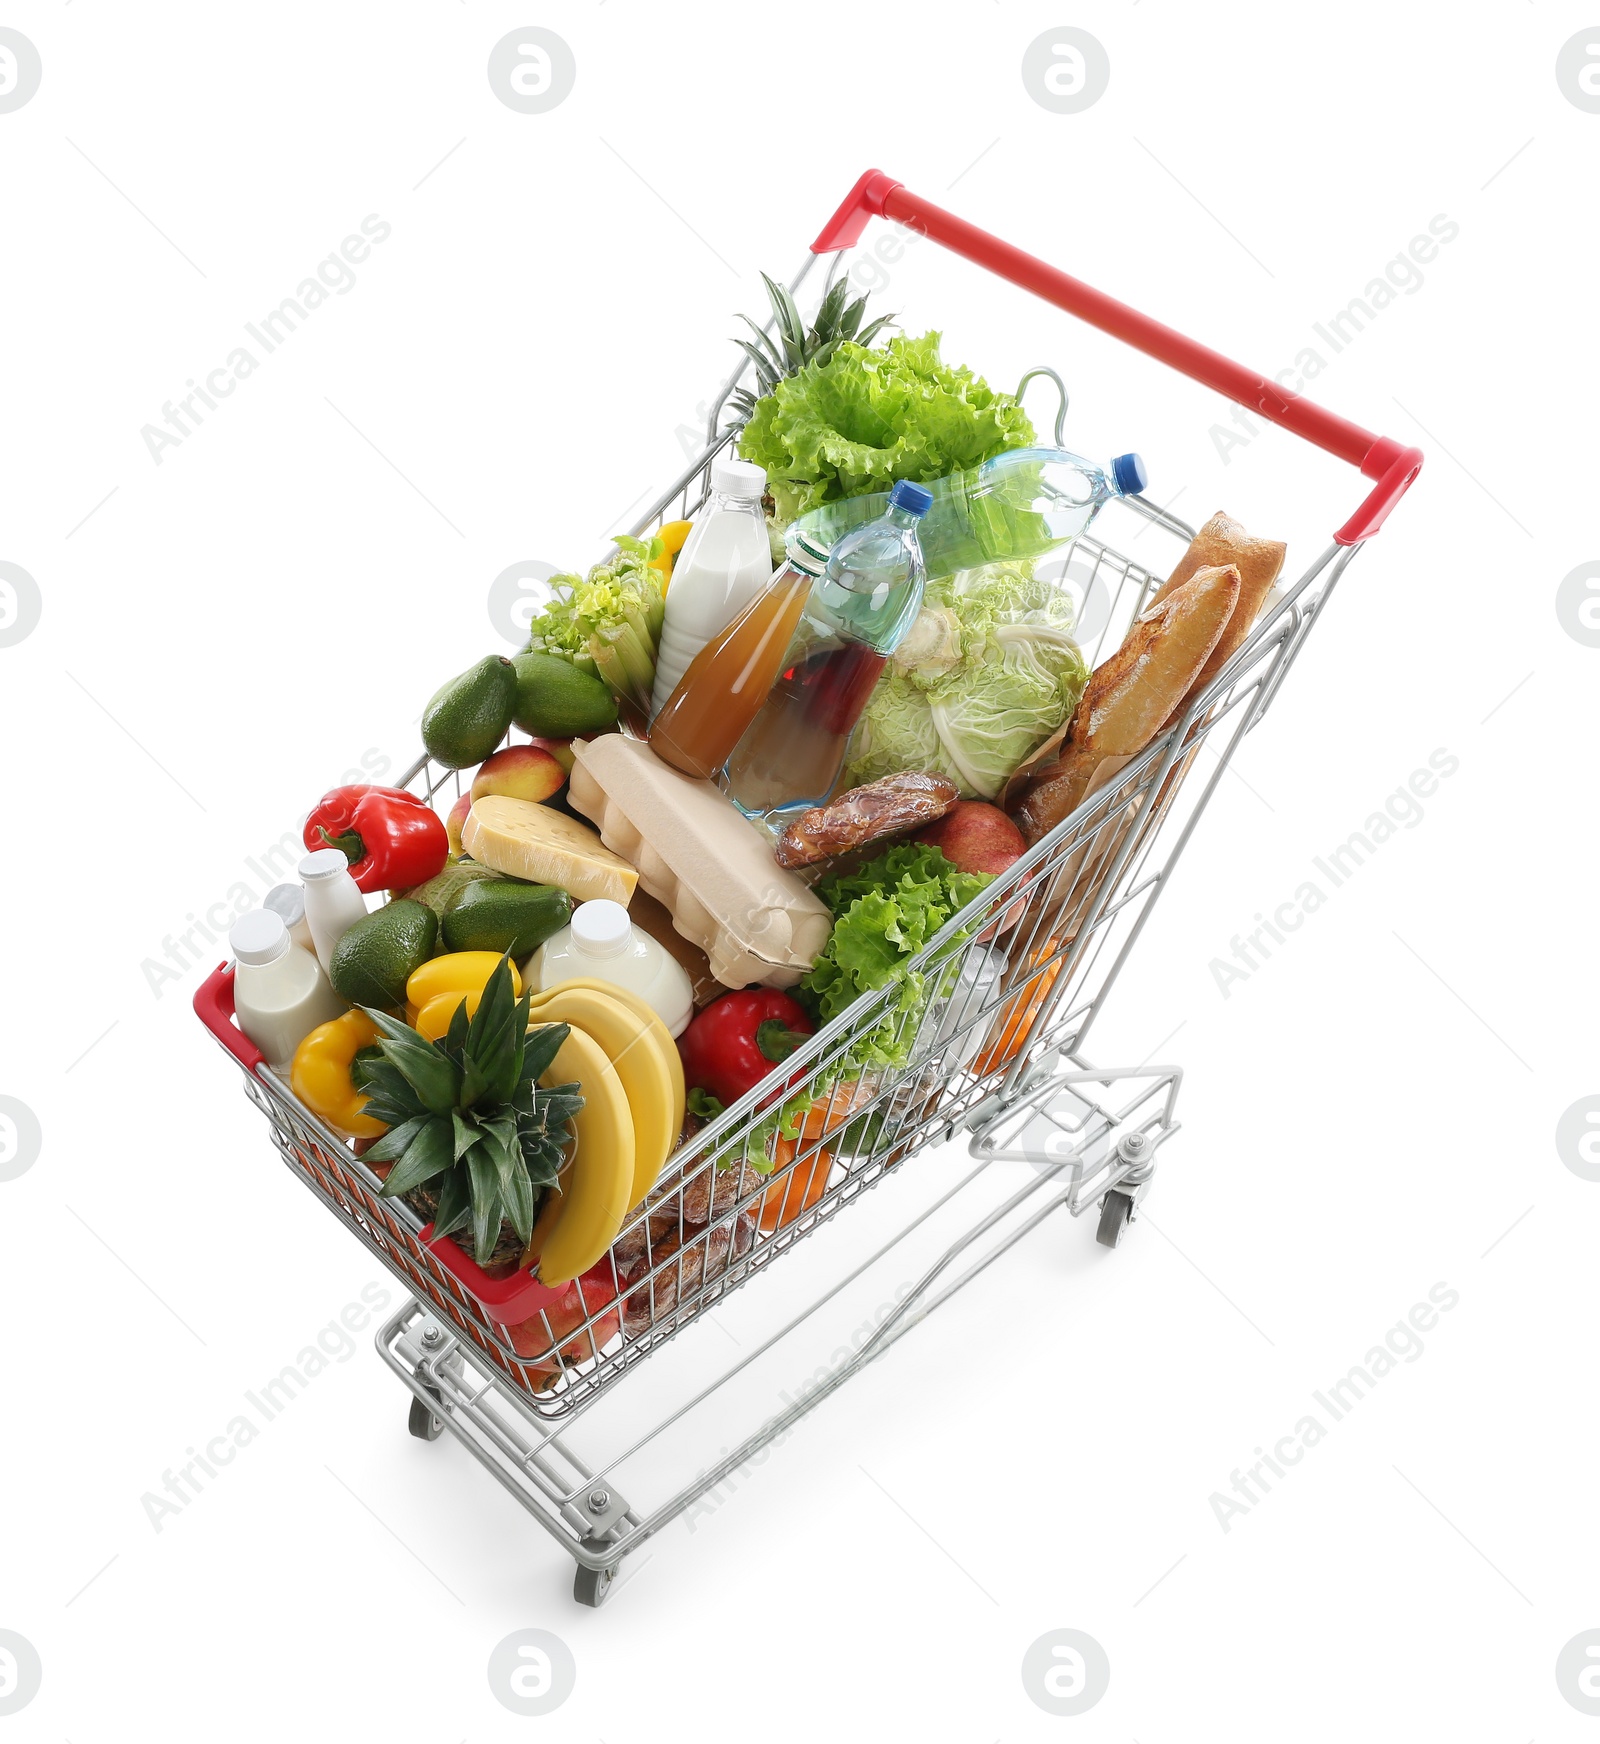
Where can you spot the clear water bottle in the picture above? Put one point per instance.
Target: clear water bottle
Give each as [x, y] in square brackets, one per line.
[854, 617]
[1020, 504]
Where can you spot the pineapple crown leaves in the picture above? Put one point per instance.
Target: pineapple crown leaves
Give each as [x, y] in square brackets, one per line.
[468, 1115]
[793, 346]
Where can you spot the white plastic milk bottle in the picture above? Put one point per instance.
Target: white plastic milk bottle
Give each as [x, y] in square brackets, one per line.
[725, 562]
[602, 944]
[280, 993]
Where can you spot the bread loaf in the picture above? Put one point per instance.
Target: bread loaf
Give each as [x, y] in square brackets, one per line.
[1132, 695]
[1222, 541]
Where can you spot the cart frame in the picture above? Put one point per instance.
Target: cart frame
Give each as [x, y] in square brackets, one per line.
[992, 1047]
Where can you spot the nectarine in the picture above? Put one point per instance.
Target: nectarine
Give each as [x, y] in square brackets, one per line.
[520, 772]
[560, 749]
[455, 822]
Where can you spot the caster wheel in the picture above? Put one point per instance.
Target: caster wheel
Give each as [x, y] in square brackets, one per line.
[590, 1585]
[422, 1423]
[1115, 1210]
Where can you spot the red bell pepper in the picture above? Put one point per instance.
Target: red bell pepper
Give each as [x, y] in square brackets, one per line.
[391, 838]
[733, 1044]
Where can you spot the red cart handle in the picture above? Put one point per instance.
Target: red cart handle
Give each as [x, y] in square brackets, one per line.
[1379, 457]
[213, 1003]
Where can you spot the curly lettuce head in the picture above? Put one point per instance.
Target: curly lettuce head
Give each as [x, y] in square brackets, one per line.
[862, 419]
[607, 622]
[974, 711]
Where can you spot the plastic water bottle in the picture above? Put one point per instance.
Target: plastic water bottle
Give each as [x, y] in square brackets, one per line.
[1020, 504]
[857, 610]
[725, 562]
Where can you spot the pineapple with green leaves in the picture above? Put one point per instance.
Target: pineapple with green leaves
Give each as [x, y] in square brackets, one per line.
[474, 1140]
[796, 345]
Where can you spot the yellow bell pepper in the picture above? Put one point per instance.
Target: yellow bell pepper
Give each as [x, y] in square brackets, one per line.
[441, 984]
[432, 1021]
[664, 549]
[320, 1074]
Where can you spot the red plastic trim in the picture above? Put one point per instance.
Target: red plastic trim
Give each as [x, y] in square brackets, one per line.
[865, 200]
[506, 1300]
[1394, 467]
[1379, 457]
[213, 1002]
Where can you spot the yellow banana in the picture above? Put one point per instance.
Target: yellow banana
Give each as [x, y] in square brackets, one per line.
[663, 1036]
[597, 1185]
[549, 1216]
[632, 1049]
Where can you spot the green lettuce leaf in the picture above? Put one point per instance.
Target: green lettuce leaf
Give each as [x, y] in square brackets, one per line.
[860, 419]
[884, 913]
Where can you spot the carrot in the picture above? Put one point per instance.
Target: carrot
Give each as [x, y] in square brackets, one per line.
[1009, 1032]
[796, 1187]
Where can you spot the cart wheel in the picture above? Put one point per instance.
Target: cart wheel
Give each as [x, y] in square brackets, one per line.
[422, 1423]
[1115, 1210]
[590, 1585]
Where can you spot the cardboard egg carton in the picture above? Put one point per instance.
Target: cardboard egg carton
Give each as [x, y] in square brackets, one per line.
[703, 860]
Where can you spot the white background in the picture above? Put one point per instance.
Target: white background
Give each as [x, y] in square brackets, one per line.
[1368, 1114]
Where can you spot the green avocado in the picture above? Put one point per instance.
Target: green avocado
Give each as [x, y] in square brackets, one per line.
[505, 915]
[375, 958]
[556, 700]
[442, 889]
[469, 716]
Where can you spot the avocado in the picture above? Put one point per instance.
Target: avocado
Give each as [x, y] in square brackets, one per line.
[442, 889]
[505, 915]
[375, 958]
[556, 699]
[471, 714]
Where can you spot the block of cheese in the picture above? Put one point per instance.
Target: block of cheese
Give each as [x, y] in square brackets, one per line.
[525, 840]
[703, 860]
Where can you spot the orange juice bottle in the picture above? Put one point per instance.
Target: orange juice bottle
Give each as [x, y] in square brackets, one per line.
[728, 680]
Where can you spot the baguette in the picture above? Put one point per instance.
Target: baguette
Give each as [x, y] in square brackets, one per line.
[1131, 696]
[1222, 540]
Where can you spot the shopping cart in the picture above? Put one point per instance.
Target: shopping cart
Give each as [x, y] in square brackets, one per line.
[542, 1389]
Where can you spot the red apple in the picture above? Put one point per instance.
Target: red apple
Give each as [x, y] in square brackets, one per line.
[593, 1296]
[527, 772]
[974, 837]
[977, 837]
[455, 822]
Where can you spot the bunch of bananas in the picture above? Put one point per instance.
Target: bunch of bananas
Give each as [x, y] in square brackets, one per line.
[633, 1098]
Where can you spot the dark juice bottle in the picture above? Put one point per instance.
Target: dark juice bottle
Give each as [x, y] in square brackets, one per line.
[797, 743]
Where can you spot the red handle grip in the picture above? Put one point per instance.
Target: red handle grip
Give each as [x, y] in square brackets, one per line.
[213, 1004]
[1379, 457]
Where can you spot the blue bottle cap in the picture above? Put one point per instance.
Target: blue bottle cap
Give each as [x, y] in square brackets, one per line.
[915, 499]
[1128, 470]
